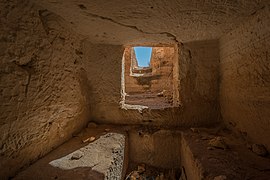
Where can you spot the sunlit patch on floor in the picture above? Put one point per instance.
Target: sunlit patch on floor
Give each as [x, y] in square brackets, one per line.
[105, 155]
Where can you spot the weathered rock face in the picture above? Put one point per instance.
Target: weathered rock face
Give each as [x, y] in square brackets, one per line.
[42, 87]
[160, 148]
[61, 67]
[198, 81]
[105, 155]
[153, 21]
[245, 77]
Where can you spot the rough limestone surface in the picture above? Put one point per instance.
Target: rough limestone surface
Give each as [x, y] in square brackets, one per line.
[105, 155]
[160, 148]
[153, 21]
[198, 82]
[245, 77]
[42, 94]
[60, 66]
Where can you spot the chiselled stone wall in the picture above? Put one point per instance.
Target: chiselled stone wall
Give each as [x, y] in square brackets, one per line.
[42, 86]
[245, 77]
[198, 86]
[53, 80]
[153, 21]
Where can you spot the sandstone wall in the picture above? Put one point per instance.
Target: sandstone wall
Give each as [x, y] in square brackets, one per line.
[198, 71]
[102, 64]
[43, 98]
[162, 72]
[199, 80]
[52, 83]
[245, 77]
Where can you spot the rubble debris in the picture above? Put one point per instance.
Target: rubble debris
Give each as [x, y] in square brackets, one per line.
[133, 176]
[161, 94]
[90, 139]
[183, 174]
[218, 142]
[76, 156]
[141, 168]
[150, 173]
[105, 156]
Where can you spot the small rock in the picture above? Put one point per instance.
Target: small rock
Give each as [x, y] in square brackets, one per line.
[86, 140]
[134, 175]
[141, 168]
[218, 142]
[259, 149]
[210, 148]
[183, 174]
[76, 156]
[221, 177]
[90, 139]
[161, 94]
[107, 129]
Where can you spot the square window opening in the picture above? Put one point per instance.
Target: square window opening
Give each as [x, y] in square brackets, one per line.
[149, 77]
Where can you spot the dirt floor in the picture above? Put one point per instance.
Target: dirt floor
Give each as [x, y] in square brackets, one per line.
[215, 153]
[142, 171]
[46, 168]
[221, 154]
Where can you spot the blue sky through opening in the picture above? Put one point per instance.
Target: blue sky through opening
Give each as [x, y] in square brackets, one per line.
[143, 55]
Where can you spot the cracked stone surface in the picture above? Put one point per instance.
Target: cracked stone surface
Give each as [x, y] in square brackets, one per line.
[154, 20]
[105, 155]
